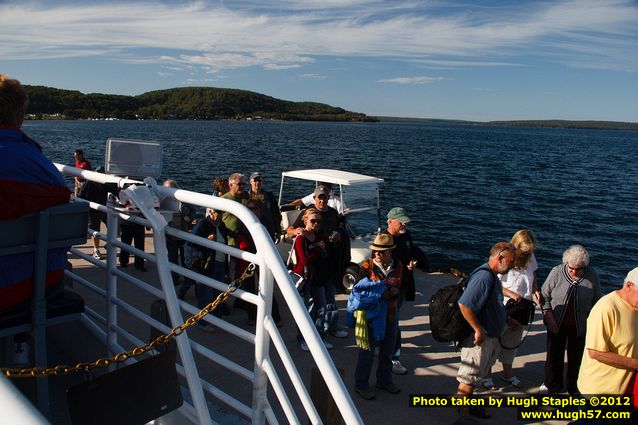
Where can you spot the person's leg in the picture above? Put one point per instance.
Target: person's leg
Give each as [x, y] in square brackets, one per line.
[138, 241]
[575, 349]
[397, 367]
[94, 225]
[365, 358]
[309, 302]
[555, 360]
[468, 374]
[386, 350]
[184, 287]
[509, 339]
[319, 296]
[397, 343]
[332, 313]
[172, 248]
[126, 237]
[276, 315]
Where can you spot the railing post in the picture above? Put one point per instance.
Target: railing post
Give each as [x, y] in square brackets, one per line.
[141, 197]
[112, 227]
[39, 309]
[262, 344]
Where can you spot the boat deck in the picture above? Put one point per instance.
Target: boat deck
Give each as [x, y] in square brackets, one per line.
[432, 365]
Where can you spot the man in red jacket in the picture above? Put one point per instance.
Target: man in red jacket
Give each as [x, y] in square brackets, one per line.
[80, 162]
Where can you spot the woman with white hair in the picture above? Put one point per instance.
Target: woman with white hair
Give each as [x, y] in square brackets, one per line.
[569, 293]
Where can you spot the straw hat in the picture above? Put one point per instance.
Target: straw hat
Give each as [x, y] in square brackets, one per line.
[382, 242]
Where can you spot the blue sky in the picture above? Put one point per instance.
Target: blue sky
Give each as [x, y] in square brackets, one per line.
[475, 60]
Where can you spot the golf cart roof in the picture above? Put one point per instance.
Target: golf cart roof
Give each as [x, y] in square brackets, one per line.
[332, 176]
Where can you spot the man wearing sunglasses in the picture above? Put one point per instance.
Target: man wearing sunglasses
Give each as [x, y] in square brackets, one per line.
[482, 306]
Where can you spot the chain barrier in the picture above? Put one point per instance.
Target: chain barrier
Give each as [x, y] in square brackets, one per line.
[59, 370]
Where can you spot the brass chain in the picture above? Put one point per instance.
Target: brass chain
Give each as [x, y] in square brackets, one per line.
[59, 370]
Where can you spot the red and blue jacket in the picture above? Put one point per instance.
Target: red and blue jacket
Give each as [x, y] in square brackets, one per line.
[29, 182]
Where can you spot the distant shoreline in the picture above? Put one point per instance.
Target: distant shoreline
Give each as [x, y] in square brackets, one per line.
[572, 124]
[577, 125]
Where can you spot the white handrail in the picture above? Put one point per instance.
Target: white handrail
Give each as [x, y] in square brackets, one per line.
[271, 269]
[16, 409]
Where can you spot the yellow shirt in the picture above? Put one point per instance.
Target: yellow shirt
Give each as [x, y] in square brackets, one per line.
[612, 326]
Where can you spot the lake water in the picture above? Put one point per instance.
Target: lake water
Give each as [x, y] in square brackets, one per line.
[464, 187]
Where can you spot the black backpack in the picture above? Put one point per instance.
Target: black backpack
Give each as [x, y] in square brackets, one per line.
[446, 320]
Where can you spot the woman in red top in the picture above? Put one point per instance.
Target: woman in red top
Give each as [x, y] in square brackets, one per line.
[310, 253]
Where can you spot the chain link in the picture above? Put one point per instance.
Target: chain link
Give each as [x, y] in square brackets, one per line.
[59, 370]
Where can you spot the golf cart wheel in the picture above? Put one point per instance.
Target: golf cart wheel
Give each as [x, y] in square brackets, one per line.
[350, 277]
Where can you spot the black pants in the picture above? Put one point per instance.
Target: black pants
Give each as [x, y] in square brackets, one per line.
[250, 285]
[132, 233]
[554, 365]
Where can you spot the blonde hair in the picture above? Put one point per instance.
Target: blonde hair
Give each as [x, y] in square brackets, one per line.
[525, 242]
[13, 101]
[308, 212]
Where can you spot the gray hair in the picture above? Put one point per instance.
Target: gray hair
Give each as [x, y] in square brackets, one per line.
[576, 256]
[235, 177]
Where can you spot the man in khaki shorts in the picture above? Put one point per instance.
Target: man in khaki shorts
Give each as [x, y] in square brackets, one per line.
[482, 306]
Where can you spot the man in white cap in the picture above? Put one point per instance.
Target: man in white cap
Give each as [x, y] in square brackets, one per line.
[610, 359]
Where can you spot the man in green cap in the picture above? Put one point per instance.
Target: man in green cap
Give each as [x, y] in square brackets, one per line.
[404, 252]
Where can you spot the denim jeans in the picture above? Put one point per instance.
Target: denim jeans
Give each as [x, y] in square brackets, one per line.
[205, 294]
[327, 312]
[366, 358]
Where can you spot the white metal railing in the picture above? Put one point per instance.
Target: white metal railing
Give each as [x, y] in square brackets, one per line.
[271, 270]
[17, 409]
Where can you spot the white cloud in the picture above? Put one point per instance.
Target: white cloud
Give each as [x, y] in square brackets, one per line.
[312, 76]
[290, 33]
[412, 80]
[276, 67]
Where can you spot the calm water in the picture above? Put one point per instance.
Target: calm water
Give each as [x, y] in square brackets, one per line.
[464, 187]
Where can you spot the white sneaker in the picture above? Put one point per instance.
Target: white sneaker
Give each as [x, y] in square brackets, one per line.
[328, 345]
[340, 333]
[543, 389]
[97, 254]
[21, 354]
[398, 368]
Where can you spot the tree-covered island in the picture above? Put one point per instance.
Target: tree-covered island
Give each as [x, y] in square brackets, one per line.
[187, 103]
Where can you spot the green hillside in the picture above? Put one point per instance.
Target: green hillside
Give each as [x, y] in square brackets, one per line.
[201, 103]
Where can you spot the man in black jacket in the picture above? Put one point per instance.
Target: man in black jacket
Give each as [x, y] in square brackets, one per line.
[406, 252]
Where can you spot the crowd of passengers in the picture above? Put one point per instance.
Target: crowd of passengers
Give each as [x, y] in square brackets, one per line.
[320, 254]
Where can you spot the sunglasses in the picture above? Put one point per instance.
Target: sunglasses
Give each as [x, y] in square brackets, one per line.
[314, 221]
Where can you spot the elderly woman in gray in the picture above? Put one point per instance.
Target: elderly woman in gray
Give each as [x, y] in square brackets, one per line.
[568, 294]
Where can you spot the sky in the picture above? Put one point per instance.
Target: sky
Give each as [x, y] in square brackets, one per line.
[472, 60]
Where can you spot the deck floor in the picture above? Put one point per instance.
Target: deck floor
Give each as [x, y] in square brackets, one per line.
[432, 365]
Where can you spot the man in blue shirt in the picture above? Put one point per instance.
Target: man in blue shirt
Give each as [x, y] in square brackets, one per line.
[482, 306]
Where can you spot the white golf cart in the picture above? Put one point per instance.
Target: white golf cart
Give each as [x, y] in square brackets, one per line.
[357, 197]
